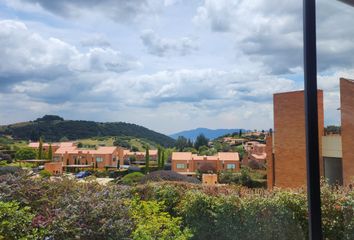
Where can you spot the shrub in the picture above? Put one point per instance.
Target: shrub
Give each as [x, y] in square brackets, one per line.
[9, 170]
[163, 175]
[151, 222]
[16, 222]
[25, 153]
[45, 174]
[132, 178]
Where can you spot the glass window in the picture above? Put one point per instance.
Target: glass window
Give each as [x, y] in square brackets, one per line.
[99, 159]
[181, 165]
[230, 166]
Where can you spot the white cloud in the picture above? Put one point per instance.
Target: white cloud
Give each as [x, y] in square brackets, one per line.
[164, 46]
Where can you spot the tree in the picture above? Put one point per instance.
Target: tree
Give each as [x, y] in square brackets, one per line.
[147, 160]
[25, 154]
[40, 149]
[240, 133]
[50, 152]
[201, 141]
[163, 159]
[181, 143]
[159, 157]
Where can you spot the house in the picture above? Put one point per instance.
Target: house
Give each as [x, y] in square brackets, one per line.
[187, 163]
[138, 157]
[73, 157]
[286, 147]
[46, 146]
[254, 151]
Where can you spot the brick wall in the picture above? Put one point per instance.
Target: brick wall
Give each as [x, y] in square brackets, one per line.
[347, 116]
[289, 138]
[270, 167]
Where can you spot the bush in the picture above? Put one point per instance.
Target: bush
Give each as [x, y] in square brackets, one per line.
[132, 178]
[153, 223]
[25, 154]
[163, 175]
[45, 174]
[16, 222]
[9, 170]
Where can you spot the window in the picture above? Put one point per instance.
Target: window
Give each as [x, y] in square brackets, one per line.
[99, 159]
[56, 158]
[180, 165]
[230, 166]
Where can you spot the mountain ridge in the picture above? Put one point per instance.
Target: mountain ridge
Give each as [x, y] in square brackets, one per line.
[209, 133]
[55, 128]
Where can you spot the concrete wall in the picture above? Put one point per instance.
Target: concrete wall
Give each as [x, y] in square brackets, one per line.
[347, 116]
[289, 138]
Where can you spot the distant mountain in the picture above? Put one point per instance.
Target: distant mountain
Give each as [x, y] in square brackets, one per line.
[55, 128]
[209, 133]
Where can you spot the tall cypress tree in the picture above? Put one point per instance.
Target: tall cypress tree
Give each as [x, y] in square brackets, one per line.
[50, 152]
[159, 157]
[147, 160]
[40, 149]
[163, 159]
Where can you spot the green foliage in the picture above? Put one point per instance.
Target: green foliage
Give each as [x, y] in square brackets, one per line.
[16, 222]
[153, 223]
[183, 143]
[147, 160]
[68, 209]
[50, 152]
[58, 130]
[45, 174]
[201, 141]
[25, 153]
[132, 178]
[246, 177]
[40, 149]
[122, 143]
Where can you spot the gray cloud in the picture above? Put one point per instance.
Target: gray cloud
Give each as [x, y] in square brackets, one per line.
[95, 41]
[271, 32]
[164, 46]
[118, 10]
[33, 58]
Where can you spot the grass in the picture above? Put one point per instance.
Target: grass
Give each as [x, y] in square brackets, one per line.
[108, 141]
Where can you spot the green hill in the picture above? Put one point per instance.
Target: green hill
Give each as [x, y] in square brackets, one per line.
[54, 128]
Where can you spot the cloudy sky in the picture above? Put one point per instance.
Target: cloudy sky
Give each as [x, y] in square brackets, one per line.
[169, 65]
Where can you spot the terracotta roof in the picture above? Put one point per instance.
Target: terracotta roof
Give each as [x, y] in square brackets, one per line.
[75, 150]
[181, 156]
[223, 156]
[229, 156]
[262, 156]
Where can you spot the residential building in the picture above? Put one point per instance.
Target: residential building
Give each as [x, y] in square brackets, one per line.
[286, 147]
[102, 157]
[46, 146]
[138, 157]
[187, 163]
[254, 151]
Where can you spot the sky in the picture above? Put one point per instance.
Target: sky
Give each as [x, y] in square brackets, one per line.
[169, 65]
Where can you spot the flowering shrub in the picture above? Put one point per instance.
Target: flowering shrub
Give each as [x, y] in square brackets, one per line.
[68, 209]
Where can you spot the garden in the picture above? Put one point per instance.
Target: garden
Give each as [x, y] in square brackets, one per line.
[45, 208]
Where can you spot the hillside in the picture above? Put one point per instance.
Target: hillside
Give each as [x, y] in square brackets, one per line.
[54, 128]
[209, 133]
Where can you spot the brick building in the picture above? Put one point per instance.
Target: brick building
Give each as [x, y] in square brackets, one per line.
[139, 157]
[102, 157]
[254, 151]
[188, 163]
[286, 148]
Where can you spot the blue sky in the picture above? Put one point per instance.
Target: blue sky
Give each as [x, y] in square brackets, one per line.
[169, 65]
